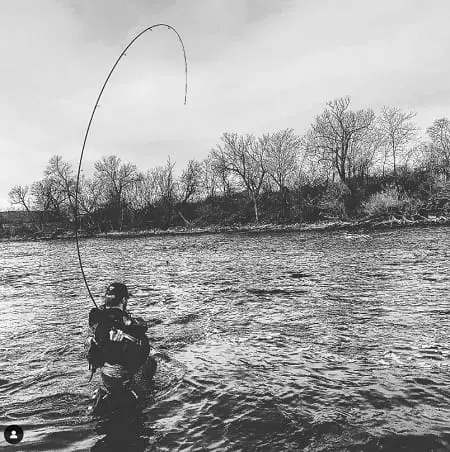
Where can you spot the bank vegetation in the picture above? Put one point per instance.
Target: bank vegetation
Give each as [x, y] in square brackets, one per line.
[350, 167]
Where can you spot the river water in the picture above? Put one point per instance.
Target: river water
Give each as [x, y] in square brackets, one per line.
[277, 341]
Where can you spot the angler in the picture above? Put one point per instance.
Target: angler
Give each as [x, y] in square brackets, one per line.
[117, 344]
[119, 347]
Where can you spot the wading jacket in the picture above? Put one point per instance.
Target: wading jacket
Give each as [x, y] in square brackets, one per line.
[131, 352]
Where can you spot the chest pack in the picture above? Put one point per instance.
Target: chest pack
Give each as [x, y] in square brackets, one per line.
[130, 352]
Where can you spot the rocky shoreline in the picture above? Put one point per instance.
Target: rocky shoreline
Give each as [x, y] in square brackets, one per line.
[367, 224]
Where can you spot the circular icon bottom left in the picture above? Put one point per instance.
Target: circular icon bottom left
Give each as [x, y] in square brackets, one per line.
[13, 434]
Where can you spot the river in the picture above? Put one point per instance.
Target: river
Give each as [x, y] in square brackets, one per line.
[277, 341]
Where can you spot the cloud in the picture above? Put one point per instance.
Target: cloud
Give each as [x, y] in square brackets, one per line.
[253, 66]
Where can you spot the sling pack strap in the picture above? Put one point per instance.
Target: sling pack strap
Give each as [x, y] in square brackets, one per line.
[132, 339]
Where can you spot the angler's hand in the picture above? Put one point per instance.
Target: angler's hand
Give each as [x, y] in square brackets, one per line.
[116, 335]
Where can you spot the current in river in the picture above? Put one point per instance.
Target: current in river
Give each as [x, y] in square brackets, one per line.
[312, 341]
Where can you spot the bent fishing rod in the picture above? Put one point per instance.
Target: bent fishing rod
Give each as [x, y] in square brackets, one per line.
[77, 222]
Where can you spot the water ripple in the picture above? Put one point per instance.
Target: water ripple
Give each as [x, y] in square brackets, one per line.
[275, 341]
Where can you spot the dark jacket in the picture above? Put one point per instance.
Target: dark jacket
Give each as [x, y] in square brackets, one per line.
[130, 352]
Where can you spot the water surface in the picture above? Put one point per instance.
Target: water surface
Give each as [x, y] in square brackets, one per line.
[278, 341]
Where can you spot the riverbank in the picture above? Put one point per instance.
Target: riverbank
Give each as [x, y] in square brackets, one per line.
[367, 224]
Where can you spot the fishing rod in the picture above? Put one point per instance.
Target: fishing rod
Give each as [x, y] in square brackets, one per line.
[89, 127]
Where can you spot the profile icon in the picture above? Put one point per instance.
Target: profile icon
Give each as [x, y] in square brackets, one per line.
[13, 434]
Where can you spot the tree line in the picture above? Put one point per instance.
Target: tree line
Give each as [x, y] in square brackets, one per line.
[346, 161]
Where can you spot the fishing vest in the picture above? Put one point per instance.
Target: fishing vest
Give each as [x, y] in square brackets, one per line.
[131, 352]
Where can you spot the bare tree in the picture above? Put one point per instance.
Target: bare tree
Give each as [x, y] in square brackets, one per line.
[59, 175]
[91, 196]
[334, 133]
[19, 195]
[144, 191]
[282, 160]
[364, 152]
[312, 172]
[245, 157]
[190, 180]
[48, 199]
[164, 180]
[398, 130]
[210, 177]
[116, 178]
[439, 134]
[220, 173]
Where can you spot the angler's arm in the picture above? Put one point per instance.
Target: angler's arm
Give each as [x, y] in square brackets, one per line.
[94, 315]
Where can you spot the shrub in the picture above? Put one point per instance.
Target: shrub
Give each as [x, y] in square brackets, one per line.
[333, 203]
[386, 202]
[438, 202]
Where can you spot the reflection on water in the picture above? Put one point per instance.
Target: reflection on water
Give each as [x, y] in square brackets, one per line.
[276, 341]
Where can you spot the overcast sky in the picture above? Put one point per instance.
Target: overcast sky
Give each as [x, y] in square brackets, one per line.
[253, 67]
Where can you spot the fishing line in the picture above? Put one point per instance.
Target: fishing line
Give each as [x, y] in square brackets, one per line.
[89, 127]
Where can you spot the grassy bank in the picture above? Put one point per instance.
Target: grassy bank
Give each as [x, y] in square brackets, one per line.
[359, 225]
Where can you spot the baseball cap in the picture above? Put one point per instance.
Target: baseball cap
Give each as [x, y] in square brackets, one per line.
[117, 290]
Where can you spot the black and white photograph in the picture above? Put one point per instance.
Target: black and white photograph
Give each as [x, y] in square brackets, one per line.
[225, 225]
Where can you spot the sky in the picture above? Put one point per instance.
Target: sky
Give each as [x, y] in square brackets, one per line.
[254, 66]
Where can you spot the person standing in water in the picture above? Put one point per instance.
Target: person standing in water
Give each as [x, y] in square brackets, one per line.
[119, 347]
